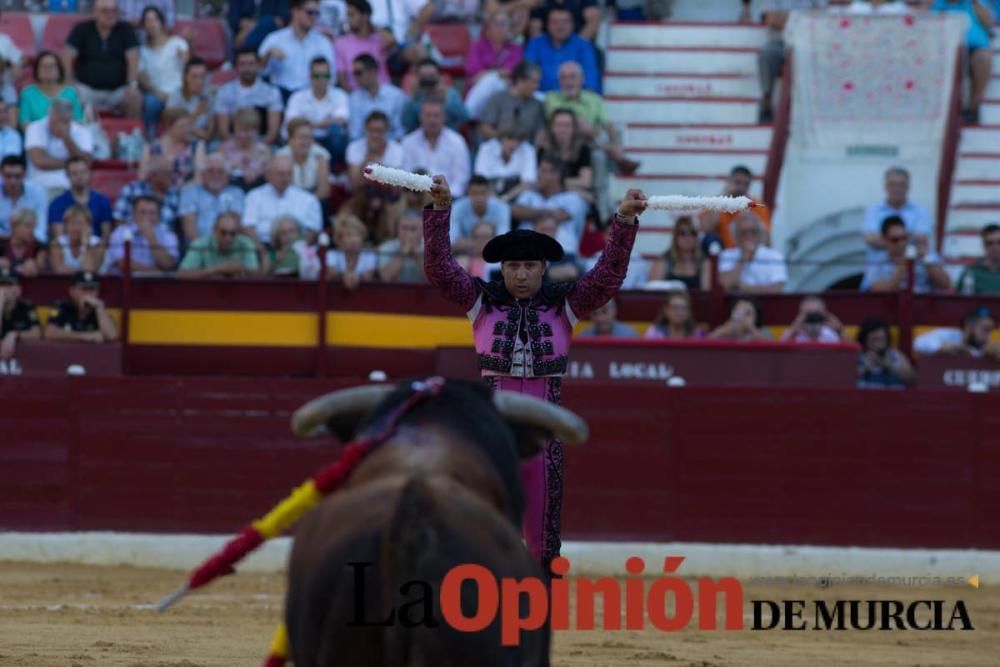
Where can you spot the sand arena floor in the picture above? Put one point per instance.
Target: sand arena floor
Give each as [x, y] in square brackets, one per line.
[81, 616]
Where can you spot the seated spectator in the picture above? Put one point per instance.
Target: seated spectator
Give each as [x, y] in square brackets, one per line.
[771, 59]
[604, 322]
[325, 107]
[225, 253]
[277, 198]
[193, 97]
[683, 260]
[519, 12]
[251, 24]
[567, 268]
[890, 275]
[717, 225]
[16, 193]
[374, 146]
[972, 340]
[916, 218]
[814, 324]
[154, 246]
[508, 162]
[179, 145]
[82, 317]
[161, 66]
[246, 155]
[202, 203]
[517, 105]
[81, 194]
[983, 277]
[78, 248]
[372, 95]
[559, 45]
[401, 260]
[52, 141]
[289, 255]
[157, 184]
[102, 54]
[430, 86]
[310, 161]
[134, 11]
[438, 149]
[881, 366]
[481, 205]
[10, 139]
[551, 199]
[22, 253]
[350, 262]
[362, 38]
[18, 317]
[751, 266]
[586, 17]
[470, 258]
[248, 91]
[676, 319]
[978, 41]
[745, 323]
[287, 52]
[563, 140]
[490, 62]
[13, 58]
[50, 84]
[401, 24]
[8, 93]
[590, 113]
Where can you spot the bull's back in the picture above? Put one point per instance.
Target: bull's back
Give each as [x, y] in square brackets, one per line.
[408, 529]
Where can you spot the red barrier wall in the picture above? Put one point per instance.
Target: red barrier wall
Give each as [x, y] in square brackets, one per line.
[786, 466]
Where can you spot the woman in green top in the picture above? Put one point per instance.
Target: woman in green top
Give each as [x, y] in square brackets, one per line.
[50, 83]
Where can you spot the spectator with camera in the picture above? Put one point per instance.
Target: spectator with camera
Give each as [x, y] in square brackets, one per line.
[890, 275]
[82, 317]
[745, 323]
[814, 324]
[881, 366]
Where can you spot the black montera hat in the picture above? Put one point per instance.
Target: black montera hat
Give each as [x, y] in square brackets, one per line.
[522, 245]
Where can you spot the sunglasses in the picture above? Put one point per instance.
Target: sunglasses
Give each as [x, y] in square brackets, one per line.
[312, 12]
[896, 239]
[991, 242]
[321, 75]
[685, 232]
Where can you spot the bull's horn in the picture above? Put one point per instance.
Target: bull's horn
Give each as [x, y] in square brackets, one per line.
[523, 409]
[319, 411]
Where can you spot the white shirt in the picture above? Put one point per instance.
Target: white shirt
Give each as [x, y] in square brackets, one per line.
[523, 162]
[395, 15]
[163, 65]
[931, 342]
[765, 268]
[264, 205]
[69, 260]
[303, 104]
[337, 261]
[449, 157]
[392, 157]
[292, 71]
[570, 202]
[857, 7]
[37, 135]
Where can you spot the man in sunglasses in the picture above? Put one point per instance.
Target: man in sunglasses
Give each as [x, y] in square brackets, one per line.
[983, 277]
[325, 106]
[287, 53]
[890, 275]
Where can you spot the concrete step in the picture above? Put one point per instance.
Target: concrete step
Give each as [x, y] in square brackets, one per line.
[728, 110]
[971, 217]
[688, 34]
[700, 163]
[701, 10]
[682, 60]
[962, 245]
[702, 137]
[980, 139]
[681, 85]
[989, 113]
[973, 191]
[977, 166]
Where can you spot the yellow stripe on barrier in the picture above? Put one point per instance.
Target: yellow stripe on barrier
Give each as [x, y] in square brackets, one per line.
[207, 327]
[387, 330]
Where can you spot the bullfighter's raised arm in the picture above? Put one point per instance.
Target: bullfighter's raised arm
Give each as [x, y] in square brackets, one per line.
[440, 267]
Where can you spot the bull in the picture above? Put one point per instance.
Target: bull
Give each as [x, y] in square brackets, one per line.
[443, 489]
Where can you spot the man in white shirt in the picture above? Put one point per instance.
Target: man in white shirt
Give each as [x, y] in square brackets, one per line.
[551, 200]
[288, 52]
[438, 149]
[51, 141]
[371, 95]
[973, 340]
[375, 146]
[324, 106]
[751, 266]
[277, 198]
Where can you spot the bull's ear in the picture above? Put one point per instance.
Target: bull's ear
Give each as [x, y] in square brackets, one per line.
[530, 440]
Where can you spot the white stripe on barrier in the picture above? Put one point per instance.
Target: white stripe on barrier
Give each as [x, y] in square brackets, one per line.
[184, 552]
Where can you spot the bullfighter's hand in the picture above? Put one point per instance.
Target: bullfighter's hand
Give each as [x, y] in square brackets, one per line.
[633, 203]
[440, 193]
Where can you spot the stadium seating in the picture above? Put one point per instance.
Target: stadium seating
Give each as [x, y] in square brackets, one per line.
[207, 37]
[18, 28]
[109, 182]
[56, 31]
[453, 41]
